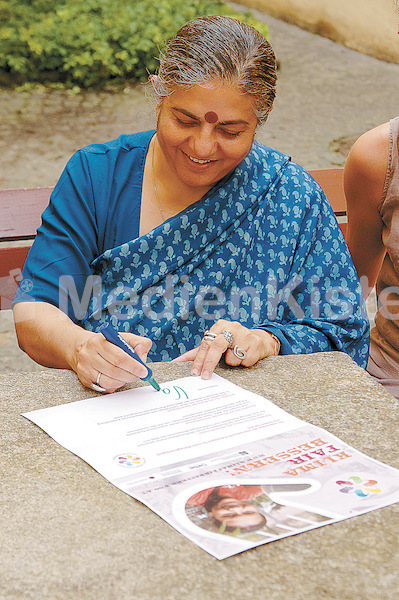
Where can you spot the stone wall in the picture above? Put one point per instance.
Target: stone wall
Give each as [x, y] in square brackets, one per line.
[369, 26]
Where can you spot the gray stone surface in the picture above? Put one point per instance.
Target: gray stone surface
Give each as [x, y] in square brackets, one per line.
[68, 534]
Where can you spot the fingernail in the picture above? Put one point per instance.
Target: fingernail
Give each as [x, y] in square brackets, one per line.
[206, 375]
[194, 372]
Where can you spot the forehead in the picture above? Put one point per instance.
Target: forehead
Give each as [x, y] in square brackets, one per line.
[229, 502]
[221, 102]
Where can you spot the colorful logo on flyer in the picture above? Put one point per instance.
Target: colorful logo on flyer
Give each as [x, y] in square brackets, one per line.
[358, 486]
[129, 460]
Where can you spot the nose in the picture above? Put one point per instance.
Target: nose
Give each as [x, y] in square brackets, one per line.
[238, 510]
[203, 142]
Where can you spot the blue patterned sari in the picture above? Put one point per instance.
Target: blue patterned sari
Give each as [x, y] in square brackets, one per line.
[262, 247]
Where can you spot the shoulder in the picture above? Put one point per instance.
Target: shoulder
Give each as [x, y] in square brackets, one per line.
[277, 169]
[291, 188]
[94, 168]
[122, 143]
[275, 161]
[367, 161]
[269, 158]
[118, 156]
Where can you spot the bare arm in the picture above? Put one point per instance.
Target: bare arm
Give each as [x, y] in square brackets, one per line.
[50, 338]
[364, 178]
[47, 334]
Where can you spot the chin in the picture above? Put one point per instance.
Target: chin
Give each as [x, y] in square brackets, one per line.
[197, 181]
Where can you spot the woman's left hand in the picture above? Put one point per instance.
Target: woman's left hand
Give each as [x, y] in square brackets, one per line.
[241, 346]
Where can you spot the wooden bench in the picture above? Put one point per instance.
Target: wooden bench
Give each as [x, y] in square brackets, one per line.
[332, 182]
[20, 216]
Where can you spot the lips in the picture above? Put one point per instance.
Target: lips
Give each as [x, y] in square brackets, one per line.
[199, 161]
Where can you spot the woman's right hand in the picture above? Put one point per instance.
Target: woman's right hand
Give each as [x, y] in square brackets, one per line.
[99, 362]
[53, 340]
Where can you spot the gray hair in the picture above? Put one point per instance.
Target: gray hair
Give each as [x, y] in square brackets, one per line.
[220, 49]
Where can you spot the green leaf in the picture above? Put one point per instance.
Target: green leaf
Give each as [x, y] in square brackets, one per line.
[92, 43]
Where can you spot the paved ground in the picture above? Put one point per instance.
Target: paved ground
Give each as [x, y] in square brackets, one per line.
[327, 95]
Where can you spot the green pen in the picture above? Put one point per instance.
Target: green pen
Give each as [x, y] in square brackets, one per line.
[113, 336]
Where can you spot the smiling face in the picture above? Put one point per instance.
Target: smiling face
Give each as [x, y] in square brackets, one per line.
[205, 132]
[236, 513]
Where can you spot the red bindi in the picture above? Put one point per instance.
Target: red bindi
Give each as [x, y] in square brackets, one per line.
[211, 117]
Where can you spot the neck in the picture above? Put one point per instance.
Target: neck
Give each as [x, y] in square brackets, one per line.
[172, 193]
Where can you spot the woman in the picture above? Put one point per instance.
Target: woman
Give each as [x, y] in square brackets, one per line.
[249, 508]
[194, 240]
[372, 192]
[230, 506]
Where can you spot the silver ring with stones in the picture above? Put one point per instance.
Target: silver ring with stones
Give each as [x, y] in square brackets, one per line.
[228, 335]
[239, 352]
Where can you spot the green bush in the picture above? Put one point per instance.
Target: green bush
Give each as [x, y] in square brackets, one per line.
[90, 43]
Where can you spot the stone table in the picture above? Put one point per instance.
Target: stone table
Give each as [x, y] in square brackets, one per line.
[69, 534]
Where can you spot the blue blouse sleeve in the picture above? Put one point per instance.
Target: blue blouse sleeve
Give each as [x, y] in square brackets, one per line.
[321, 306]
[66, 241]
[95, 205]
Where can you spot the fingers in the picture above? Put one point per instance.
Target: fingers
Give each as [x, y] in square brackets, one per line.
[141, 345]
[101, 364]
[222, 336]
[187, 356]
[240, 345]
[208, 355]
[255, 345]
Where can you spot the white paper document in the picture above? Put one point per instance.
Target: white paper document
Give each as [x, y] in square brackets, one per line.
[225, 467]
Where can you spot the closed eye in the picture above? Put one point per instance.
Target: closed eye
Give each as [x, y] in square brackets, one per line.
[230, 134]
[186, 123]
